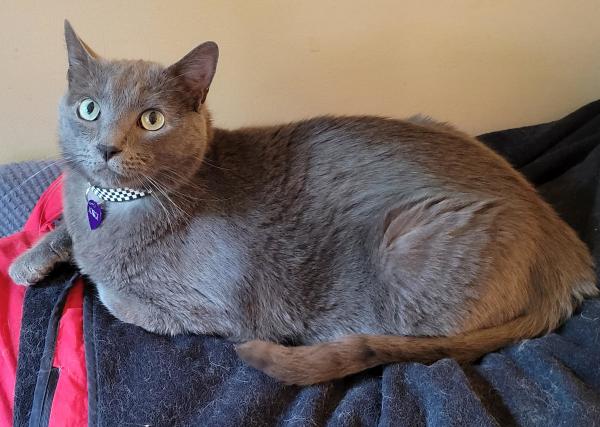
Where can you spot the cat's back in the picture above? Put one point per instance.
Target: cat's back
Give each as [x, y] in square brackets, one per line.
[363, 153]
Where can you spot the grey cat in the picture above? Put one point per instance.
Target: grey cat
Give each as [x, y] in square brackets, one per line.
[322, 247]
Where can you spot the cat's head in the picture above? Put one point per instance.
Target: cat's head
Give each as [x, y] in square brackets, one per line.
[128, 123]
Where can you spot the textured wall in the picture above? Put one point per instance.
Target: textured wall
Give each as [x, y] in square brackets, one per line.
[482, 64]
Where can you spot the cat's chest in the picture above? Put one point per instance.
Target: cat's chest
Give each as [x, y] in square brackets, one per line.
[134, 246]
[111, 248]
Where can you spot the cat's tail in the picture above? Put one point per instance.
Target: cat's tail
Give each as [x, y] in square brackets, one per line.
[317, 363]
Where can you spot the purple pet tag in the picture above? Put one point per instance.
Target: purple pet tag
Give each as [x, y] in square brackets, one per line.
[94, 211]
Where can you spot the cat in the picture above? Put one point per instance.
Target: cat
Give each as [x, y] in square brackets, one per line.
[320, 248]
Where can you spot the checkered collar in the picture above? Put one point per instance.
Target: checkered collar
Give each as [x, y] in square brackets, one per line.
[117, 194]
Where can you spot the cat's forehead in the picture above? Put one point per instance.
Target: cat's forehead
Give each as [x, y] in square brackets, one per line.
[132, 79]
[126, 73]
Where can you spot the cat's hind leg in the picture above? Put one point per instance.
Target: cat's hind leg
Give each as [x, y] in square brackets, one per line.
[434, 256]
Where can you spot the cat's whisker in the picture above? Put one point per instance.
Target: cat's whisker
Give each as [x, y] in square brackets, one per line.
[167, 213]
[171, 174]
[169, 223]
[165, 174]
[184, 179]
[13, 190]
[162, 190]
[174, 177]
[183, 195]
[209, 163]
[206, 162]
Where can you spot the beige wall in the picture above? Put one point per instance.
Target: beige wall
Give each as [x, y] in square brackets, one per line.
[482, 64]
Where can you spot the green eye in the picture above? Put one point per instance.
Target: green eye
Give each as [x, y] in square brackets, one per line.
[152, 120]
[89, 109]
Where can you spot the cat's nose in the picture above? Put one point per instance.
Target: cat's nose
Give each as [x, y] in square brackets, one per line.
[108, 151]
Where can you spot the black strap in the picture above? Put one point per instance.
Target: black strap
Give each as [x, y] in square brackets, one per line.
[90, 353]
[36, 379]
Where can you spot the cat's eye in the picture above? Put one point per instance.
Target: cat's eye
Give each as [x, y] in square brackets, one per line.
[89, 109]
[152, 120]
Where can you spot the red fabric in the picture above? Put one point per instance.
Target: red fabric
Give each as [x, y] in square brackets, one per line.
[69, 406]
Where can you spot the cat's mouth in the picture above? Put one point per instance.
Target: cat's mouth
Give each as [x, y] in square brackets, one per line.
[107, 177]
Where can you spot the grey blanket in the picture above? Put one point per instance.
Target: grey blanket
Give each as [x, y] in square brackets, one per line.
[21, 184]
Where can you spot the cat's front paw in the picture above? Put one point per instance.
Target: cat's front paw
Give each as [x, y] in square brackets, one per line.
[31, 267]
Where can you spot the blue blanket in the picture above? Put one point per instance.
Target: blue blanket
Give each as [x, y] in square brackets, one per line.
[137, 378]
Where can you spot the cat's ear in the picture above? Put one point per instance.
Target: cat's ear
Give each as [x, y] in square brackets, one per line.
[79, 53]
[196, 70]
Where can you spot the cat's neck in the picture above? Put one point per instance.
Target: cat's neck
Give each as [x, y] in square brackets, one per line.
[160, 212]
